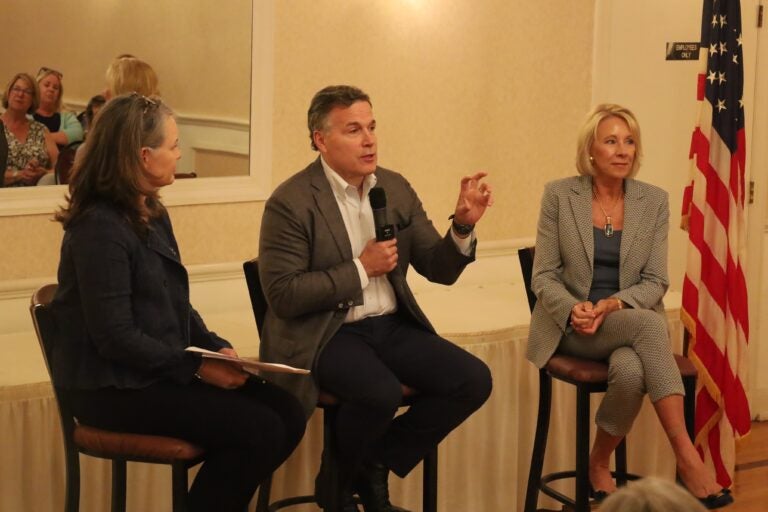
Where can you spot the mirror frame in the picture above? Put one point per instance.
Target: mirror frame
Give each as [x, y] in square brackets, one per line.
[230, 189]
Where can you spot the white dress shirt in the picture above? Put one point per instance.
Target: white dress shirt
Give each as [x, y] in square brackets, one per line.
[378, 295]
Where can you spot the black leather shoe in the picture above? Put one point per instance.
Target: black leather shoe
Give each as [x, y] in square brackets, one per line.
[718, 500]
[348, 503]
[323, 494]
[373, 488]
[598, 496]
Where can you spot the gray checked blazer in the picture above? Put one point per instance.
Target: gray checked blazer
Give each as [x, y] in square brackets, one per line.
[564, 260]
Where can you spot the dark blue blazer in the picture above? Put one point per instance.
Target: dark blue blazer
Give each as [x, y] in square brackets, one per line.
[122, 307]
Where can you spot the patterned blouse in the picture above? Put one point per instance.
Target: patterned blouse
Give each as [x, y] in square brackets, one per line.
[33, 148]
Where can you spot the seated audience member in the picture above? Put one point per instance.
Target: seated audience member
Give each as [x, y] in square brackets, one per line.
[128, 74]
[87, 116]
[339, 300]
[651, 495]
[600, 274]
[123, 312]
[32, 152]
[63, 125]
[3, 151]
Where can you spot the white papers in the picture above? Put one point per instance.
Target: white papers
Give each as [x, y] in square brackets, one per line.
[249, 363]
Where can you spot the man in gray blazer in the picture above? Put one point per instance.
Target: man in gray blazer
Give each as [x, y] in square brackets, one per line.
[339, 302]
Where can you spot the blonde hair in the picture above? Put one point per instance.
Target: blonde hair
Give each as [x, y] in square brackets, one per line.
[44, 72]
[651, 495]
[129, 74]
[588, 133]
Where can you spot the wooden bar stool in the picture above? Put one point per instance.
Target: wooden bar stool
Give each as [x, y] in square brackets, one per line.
[589, 377]
[119, 447]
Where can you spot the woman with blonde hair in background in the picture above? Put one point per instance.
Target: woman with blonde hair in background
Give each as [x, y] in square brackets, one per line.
[64, 127]
[128, 74]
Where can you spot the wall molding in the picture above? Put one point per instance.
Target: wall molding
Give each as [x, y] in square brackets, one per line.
[22, 288]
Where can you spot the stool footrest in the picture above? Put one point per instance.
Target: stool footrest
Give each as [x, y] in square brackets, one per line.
[296, 500]
[561, 475]
[289, 502]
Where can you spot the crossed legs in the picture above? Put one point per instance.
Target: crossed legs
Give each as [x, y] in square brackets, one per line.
[636, 345]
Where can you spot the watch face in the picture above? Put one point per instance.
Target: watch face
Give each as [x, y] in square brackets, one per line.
[463, 229]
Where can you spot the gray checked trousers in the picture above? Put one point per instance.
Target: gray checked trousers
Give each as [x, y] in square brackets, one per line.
[635, 342]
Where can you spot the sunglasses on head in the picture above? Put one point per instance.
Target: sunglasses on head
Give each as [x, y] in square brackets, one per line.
[49, 71]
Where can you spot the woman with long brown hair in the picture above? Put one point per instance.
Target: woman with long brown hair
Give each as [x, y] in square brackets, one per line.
[125, 320]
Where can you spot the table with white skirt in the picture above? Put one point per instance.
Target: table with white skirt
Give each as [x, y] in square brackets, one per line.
[483, 464]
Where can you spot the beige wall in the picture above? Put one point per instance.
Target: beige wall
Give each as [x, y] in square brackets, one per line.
[200, 52]
[457, 86]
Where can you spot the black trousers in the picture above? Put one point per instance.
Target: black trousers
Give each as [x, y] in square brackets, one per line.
[364, 365]
[247, 432]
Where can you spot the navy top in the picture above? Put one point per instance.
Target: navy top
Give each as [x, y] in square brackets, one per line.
[53, 123]
[605, 278]
[122, 307]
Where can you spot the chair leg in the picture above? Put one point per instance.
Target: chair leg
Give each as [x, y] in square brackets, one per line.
[265, 488]
[118, 485]
[539, 442]
[430, 481]
[689, 405]
[621, 463]
[582, 449]
[72, 497]
[330, 461]
[179, 486]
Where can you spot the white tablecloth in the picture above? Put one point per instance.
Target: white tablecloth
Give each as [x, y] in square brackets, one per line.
[483, 465]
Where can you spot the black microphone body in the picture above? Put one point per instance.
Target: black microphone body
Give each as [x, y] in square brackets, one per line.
[384, 230]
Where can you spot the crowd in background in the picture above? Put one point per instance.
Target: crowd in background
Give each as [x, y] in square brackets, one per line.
[39, 136]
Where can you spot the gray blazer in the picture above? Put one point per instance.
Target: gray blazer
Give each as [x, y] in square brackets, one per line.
[310, 280]
[563, 265]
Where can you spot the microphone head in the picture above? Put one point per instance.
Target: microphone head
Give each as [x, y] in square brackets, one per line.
[378, 198]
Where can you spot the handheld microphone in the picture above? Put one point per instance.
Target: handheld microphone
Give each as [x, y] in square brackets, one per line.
[384, 230]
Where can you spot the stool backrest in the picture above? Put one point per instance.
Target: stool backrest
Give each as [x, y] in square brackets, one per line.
[258, 300]
[47, 331]
[526, 255]
[65, 162]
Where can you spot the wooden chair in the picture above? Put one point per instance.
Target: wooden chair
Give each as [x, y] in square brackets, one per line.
[589, 377]
[64, 163]
[119, 447]
[327, 402]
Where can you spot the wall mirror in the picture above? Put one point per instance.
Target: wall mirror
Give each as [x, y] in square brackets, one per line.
[215, 66]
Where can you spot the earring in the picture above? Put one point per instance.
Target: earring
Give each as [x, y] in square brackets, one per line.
[591, 159]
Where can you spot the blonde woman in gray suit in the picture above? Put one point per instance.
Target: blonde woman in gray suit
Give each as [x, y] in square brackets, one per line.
[600, 273]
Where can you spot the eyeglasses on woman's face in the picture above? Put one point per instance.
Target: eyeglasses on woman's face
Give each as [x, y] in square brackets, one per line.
[21, 91]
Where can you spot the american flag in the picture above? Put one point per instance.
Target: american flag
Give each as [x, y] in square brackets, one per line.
[714, 308]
